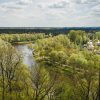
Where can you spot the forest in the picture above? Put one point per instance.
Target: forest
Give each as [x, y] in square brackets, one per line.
[67, 66]
[46, 30]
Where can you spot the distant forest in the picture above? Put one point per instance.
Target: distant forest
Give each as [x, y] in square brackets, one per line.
[46, 30]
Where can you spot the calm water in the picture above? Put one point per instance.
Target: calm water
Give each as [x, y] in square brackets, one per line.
[26, 54]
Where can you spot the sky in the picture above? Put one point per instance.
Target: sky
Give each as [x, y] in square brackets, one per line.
[49, 13]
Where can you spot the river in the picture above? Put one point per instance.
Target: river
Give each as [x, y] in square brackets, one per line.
[26, 54]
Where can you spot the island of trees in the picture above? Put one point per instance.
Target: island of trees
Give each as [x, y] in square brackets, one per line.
[67, 67]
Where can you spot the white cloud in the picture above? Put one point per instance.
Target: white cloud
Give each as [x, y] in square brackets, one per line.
[25, 2]
[50, 12]
[61, 4]
[15, 5]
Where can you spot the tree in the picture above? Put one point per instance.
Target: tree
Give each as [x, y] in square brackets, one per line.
[42, 85]
[78, 37]
[9, 62]
[52, 51]
[97, 35]
[85, 76]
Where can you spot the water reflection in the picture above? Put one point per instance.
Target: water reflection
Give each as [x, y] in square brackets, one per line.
[26, 53]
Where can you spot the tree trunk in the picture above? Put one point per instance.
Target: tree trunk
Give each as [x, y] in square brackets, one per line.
[36, 95]
[88, 90]
[10, 89]
[3, 89]
[99, 86]
[3, 86]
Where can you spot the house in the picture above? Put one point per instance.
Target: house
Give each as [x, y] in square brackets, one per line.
[98, 43]
[90, 45]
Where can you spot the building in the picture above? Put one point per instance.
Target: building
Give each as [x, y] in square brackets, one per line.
[90, 45]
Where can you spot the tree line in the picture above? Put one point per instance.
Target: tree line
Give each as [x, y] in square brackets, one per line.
[63, 70]
[14, 38]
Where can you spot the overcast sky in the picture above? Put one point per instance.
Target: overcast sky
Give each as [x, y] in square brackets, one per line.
[49, 13]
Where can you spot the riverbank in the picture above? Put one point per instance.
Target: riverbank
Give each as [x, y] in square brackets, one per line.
[27, 54]
[21, 43]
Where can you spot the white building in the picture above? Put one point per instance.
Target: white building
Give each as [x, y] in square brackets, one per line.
[90, 45]
[98, 43]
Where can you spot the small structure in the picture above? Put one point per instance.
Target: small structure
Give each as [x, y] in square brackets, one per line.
[84, 46]
[90, 45]
[98, 43]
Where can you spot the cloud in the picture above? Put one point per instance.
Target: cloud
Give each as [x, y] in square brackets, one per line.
[54, 5]
[15, 5]
[91, 1]
[61, 4]
[24, 2]
[50, 12]
[96, 11]
[10, 5]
